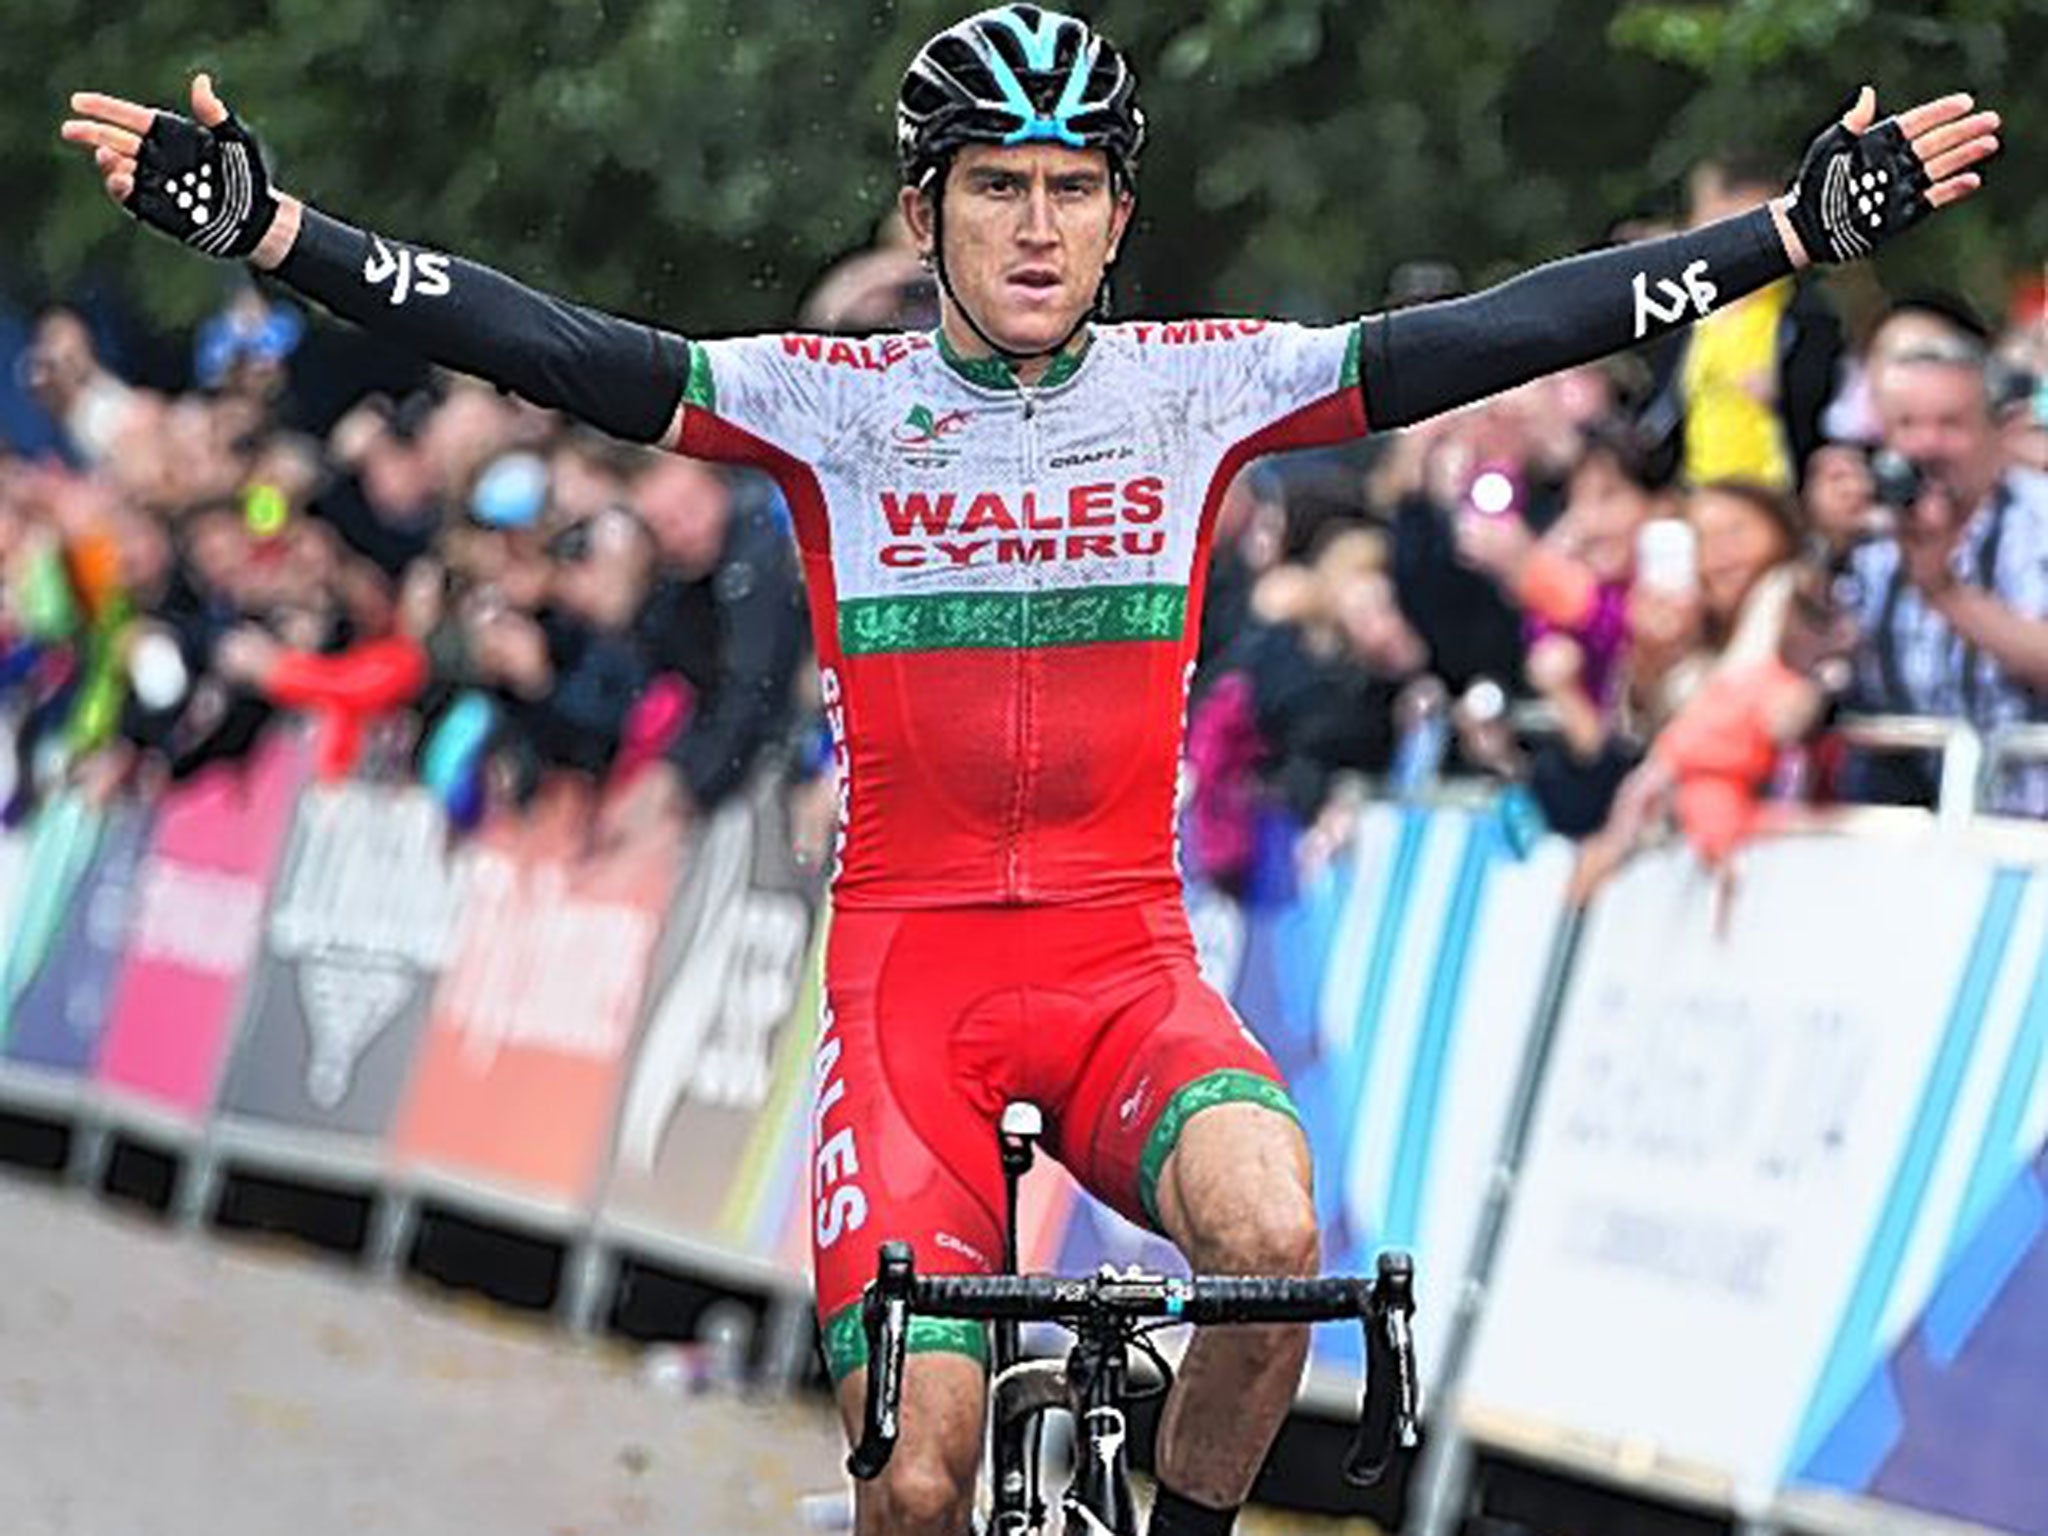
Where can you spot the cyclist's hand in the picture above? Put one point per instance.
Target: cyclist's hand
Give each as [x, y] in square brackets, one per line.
[202, 182]
[1863, 182]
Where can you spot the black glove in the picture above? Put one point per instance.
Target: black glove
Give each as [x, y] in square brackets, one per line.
[1854, 191]
[204, 187]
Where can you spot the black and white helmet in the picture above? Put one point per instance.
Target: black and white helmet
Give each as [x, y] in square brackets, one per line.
[1017, 74]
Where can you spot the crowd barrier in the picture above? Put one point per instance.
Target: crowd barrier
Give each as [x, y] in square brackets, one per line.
[1737, 1199]
[1776, 1247]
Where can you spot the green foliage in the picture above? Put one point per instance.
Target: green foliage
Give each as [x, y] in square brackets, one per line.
[701, 161]
[1766, 72]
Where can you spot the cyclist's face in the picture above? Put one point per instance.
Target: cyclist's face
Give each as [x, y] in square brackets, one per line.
[1028, 232]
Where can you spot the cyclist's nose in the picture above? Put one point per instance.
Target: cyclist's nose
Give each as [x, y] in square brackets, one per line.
[1038, 226]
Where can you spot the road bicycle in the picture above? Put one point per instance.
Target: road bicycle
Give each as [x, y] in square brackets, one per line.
[1110, 1313]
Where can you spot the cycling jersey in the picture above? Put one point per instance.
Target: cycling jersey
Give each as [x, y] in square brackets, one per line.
[1005, 583]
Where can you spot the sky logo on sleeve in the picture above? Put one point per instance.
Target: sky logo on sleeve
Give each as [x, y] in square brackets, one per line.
[425, 273]
[1693, 291]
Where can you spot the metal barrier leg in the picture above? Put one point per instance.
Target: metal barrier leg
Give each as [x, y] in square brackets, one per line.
[591, 1269]
[1445, 1482]
[787, 1349]
[198, 1191]
[91, 1142]
[393, 1223]
[1447, 1469]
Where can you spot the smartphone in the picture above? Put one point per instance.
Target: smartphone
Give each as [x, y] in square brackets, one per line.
[1668, 556]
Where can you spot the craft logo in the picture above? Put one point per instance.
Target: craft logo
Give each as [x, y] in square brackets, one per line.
[921, 438]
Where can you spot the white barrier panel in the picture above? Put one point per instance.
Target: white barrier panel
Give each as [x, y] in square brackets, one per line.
[1429, 999]
[1753, 1151]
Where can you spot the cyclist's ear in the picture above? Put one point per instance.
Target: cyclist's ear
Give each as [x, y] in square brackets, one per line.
[1120, 213]
[916, 208]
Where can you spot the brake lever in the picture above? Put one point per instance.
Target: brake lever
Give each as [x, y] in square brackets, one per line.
[1389, 1419]
[885, 1319]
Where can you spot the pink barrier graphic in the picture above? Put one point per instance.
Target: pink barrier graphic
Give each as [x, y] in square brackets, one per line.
[197, 918]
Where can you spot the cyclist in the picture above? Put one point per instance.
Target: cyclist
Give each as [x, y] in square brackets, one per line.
[1004, 526]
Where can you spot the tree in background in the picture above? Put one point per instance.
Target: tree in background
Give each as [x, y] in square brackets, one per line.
[701, 161]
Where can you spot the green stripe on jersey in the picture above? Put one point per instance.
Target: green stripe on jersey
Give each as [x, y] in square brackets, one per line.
[699, 388]
[1010, 621]
[1351, 357]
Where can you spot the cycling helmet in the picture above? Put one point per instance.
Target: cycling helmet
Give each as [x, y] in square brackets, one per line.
[1017, 74]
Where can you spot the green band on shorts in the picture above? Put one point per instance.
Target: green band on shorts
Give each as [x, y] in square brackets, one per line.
[846, 1342]
[1227, 1085]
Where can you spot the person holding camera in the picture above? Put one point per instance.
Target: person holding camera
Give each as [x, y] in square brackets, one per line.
[1954, 605]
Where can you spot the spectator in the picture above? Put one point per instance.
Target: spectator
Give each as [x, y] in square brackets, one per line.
[587, 472]
[242, 351]
[1710, 764]
[883, 288]
[1250, 528]
[1747, 539]
[1469, 629]
[1745, 691]
[1954, 606]
[1574, 585]
[726, 614]
[1304, 693]
[2022, 402]
[385, 500]
[65, 374]
[1838, 498]
[1924, 319]
[1754, 377]
[569, 673]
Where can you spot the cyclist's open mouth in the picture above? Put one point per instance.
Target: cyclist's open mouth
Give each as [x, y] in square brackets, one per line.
[1034, 284]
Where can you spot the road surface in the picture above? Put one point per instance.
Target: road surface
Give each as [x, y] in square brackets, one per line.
[153, 1384]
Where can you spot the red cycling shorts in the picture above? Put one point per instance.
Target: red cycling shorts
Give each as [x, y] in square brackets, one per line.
[935, 1019]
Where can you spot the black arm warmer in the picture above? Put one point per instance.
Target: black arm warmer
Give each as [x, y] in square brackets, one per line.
[1418, 362]
[619, 375]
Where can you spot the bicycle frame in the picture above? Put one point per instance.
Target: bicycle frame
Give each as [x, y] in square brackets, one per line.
[1091, 1386]
[1108, 1313]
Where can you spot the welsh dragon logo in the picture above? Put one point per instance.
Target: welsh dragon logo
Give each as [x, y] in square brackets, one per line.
[921, 428]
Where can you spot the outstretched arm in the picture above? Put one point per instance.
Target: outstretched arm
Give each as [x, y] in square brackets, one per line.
[619, 375]
[1862, 182]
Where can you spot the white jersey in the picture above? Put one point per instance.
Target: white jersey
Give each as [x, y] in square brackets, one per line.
[1005, 583]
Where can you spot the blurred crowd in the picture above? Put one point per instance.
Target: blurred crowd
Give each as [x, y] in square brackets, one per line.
[1679, 588]
[451, 586]
[1640, 594]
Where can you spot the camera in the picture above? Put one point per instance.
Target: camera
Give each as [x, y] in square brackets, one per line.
[1896, 481]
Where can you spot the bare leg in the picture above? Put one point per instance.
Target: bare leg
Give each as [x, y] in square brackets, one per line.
[1235, 1197]
[928, 1487]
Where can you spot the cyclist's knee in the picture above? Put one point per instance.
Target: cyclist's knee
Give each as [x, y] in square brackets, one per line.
[928, 1485]
[920, 1496]
[1276, 1237]
[1236, 1195]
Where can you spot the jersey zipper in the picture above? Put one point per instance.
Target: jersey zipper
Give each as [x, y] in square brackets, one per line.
[1018, 873]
